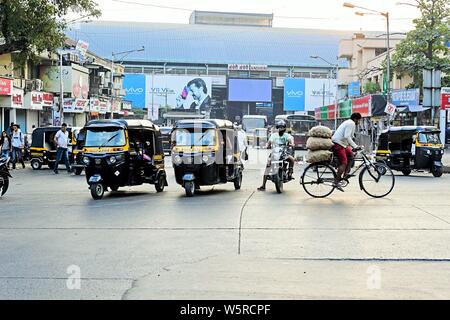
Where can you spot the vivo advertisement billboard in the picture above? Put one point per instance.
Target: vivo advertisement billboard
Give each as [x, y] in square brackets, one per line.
[134, 85]
[306, 94]
[294, 94]
[249, 90]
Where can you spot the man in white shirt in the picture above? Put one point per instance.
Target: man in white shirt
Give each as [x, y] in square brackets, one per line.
[17, 142]
[242, 141]
[62, 140]
[344, 145]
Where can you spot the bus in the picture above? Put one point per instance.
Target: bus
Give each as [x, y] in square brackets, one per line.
[298, 126]
[252, 122]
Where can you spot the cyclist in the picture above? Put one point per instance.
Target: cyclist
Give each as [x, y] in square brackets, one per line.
[344, 146]
[280, 138]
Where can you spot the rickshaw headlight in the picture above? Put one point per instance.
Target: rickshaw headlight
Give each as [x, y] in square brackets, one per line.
[205, 158]
[428, 152]
[86, 160]
[112, 159]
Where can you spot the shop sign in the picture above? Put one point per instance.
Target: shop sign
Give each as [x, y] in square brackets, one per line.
[362, 106]
[345, 109]
[81, 105]
[94, 105]
[74, 105]
[324, 113]
[126, 105]
[405, 97]
[331, 113]
[47, 99]
[5, 87]
[103, 107]
[17, 99]
[445, 98]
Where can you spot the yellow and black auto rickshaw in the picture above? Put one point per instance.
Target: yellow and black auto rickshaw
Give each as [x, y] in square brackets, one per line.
[121, 153]
[204, 153]
[43, 148]
[411, 148]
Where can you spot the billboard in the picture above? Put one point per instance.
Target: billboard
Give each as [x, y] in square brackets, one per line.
[405, 97]
[134, 86]
[362, 106]
[316, 93]
[294, 94]
[75, 80]
[249, 90]
[354, 89]
[182, 93]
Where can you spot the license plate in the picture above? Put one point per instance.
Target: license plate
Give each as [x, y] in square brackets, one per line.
[98, 161]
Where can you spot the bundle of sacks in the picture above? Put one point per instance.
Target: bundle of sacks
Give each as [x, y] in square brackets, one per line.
[319, 144]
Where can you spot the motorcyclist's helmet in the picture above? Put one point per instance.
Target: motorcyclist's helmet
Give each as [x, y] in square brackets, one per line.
[280, 125]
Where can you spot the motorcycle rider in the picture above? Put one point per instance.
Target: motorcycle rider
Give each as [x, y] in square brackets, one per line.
[280, 138]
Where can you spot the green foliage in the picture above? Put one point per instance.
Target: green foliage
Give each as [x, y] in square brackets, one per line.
[31, 27]
[425, 46]
[371, 87]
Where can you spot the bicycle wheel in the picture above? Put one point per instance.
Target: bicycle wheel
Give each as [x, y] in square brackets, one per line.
[318, 180]
[377, 180]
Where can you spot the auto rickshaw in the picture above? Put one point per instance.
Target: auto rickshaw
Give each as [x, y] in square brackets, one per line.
[204, 153]
[78, 138]
[411, 148]
[43, 148]
[120, 153]
[165, 137]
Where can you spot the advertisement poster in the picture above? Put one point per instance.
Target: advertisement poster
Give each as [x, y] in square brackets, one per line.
[445, 98]
[362, 105]
[177, 93]
[5, 86]
[316, 93]
[250, 90]
[75, 80]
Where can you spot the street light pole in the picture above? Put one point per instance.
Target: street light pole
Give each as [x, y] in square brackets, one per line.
[336, 93]
[61, 89]
[113, 54]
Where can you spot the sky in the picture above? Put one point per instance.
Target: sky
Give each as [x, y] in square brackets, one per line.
[315, 14]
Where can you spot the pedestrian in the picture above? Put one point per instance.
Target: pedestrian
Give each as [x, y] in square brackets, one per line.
[5, 145]
[243, 144]
[18, 143]
[9, 131]
[61, 142]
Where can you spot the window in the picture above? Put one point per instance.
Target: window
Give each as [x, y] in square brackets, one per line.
[183, 137]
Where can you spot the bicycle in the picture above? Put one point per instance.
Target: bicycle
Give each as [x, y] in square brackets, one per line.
[318, 179]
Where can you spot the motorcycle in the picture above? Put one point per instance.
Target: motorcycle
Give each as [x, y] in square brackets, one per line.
[279, 166]
[4, 176]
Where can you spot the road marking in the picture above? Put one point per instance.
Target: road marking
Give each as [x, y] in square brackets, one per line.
[240, 221]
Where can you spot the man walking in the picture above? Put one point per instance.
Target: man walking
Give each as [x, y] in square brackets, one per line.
[17, 142]
[243, 145]
[62, 141]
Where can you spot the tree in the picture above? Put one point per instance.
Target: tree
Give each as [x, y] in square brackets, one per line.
[371, 87]
[425, 47]
[31, 27]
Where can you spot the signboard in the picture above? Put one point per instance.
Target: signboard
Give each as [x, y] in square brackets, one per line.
[331, 111]
[47, 99]
[354, 89]
[390, 108]
[316, 92]
[103, 107]
[5, 87]
[405, 97]
[445, 98]
[345, 109]
[248, 67]
[82, 47]
[294, 94]
[75, 105]
[94, 105]
[180, 93]
[126, 105]
[249, 90]
[362, 105]
[75, 80]
[317, 113]
[134, 86]
[17, 99]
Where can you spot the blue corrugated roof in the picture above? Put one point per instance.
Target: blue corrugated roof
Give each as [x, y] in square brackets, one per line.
[210, 44]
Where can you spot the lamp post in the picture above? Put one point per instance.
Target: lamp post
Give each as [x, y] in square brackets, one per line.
[336, 66]
[386, 15]
[113, 55]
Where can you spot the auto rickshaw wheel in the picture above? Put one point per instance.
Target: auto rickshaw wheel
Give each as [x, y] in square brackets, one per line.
[36, 164]
[406, 172]
[97, 190]
[78, 171]
[238, 180]
[189, 187]
[437, 172]
[159, 185]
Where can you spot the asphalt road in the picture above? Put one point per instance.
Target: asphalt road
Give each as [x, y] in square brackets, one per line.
[222, 243]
